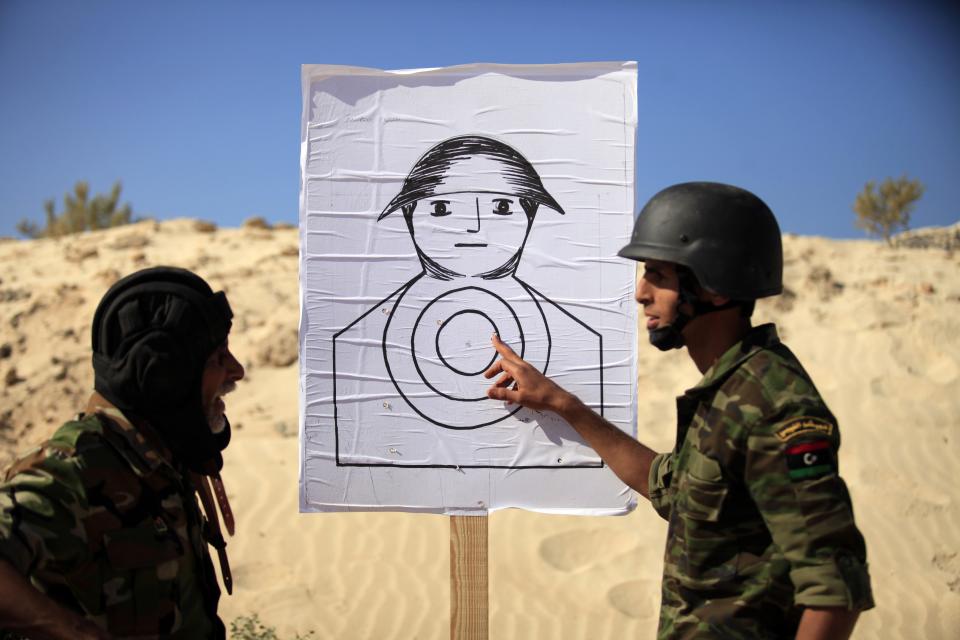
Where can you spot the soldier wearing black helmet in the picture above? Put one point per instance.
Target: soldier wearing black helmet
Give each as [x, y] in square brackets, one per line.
[762, 541]
[101, 535]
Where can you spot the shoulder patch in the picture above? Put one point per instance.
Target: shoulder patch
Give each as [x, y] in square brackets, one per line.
[810, 460]
[804, 426]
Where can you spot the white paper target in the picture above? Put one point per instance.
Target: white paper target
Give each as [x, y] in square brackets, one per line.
[438, 208]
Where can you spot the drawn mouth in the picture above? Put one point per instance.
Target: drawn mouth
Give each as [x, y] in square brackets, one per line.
[470, 244]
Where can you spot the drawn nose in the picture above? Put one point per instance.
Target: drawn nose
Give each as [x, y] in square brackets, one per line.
[477, 229]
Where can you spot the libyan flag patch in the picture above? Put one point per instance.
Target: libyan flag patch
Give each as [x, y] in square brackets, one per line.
[810, 460]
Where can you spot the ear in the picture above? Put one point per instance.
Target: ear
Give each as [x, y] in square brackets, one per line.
[707, 297]
[715, 299]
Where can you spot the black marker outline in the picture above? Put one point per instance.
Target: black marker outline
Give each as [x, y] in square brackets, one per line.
[466, 374]
[413, 350]
[423, 180]
[386, 360]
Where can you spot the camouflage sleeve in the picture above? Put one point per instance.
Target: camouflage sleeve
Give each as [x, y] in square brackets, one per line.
[659, 481]
[41, 504]
[792, 475]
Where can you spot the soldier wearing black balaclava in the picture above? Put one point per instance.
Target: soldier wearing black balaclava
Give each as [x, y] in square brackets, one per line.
[152, 334]
[104, 517]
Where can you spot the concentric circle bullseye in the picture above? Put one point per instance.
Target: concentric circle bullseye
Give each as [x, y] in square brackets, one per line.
[456, 342]
[459, 382]
[436, 348]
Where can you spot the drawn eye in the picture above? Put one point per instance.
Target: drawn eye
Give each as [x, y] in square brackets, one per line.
[501, 206]
[440, 208]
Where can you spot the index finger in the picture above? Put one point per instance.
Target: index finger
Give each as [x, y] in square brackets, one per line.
[503, 348]
[502, 365]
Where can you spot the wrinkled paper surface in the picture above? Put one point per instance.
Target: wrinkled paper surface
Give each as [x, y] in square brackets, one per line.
[418, 243]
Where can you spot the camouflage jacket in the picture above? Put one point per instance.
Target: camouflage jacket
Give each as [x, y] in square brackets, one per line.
[760, 522]
[101, 521]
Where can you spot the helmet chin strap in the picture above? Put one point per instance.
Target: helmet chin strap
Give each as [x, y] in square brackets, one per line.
[671, 336]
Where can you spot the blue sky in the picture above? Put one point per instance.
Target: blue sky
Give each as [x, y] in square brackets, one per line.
[195, 106]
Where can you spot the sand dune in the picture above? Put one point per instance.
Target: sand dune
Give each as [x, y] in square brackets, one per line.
[878, 328]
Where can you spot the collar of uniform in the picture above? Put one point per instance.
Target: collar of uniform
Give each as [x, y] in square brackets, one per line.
[757, 339]
[141, 438]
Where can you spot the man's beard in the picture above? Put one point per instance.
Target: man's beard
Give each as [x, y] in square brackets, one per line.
[216, 419]
[666, 338]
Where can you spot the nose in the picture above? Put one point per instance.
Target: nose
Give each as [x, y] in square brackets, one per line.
[477, 229]
[235, 370]
[644, 293]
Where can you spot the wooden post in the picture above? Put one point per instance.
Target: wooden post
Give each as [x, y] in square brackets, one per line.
[469, 600]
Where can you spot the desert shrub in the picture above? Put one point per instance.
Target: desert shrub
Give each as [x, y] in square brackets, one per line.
[256, 222]
[883, 211]
[80, 213]
[250, 628]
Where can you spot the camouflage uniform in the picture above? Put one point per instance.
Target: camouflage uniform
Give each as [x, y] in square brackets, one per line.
[760, 522]
[105, 525]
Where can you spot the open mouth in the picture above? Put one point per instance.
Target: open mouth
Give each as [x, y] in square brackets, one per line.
[219, 404]
[470, 244]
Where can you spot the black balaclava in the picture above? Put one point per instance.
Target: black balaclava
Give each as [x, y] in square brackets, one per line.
[152, 334]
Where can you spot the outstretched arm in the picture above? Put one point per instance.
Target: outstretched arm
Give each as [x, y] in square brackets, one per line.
[828, 623]
[27, 611]
[522, 384]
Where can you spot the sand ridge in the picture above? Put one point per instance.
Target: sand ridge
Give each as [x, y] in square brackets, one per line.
[877, 327]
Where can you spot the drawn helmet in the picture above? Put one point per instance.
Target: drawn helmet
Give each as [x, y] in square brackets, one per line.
[726, 236]
[152, 334]
[471, 164]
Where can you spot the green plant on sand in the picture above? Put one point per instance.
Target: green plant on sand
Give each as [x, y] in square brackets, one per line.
[250, 628]
[881, 212]
[80, 213]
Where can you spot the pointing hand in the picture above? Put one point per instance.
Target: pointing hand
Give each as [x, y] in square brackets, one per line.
[521, 383]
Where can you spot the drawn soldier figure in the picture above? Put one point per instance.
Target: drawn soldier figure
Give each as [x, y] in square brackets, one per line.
[762, 541]
[469, 204]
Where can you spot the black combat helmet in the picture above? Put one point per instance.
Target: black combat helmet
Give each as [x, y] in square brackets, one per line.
[725, 235]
